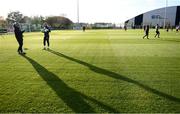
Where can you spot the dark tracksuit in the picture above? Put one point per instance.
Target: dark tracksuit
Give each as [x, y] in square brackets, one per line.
[84, 28]
[46, 36]
[157, 31]
[19, 37]
[147, 32]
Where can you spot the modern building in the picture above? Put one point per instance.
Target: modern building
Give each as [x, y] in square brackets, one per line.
[169, 16]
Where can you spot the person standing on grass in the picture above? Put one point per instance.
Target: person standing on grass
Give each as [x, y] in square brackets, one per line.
[157, 31]
[146, 32]
[46, 30]
[19, 37]
[125, 27]
[177, 28]
[168, 27]
[84, 28]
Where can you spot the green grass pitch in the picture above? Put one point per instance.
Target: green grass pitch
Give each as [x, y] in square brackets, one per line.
[92, 71]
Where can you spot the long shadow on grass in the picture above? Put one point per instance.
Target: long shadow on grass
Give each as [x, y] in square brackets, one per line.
[73, 99]
[118, 76]
[170, 40]
[166, 40]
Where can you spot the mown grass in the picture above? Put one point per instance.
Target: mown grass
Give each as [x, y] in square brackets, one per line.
[92, 71]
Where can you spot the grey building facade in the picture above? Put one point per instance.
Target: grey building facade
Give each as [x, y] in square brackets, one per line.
[158, 16]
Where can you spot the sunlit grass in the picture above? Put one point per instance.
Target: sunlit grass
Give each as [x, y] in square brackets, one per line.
[92, 71]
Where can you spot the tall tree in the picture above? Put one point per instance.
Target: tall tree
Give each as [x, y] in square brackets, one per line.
[37, 20]
[59, 22]
[15, 16]
[2, 22]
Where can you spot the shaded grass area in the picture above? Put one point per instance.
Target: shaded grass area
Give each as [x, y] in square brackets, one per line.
[95, 71]
[70, 96]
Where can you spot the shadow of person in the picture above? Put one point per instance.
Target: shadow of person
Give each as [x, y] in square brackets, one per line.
[117, 76]
[71, 97]
[171, 40]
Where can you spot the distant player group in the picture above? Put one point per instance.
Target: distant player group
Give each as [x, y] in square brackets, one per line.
[146, 30]
[46, 30]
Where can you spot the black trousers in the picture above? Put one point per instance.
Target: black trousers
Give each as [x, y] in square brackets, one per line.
[20, 42]
[46, 39]
[157, 33]
[146, 35]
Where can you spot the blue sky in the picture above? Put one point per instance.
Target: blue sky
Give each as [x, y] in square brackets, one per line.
[114, 11]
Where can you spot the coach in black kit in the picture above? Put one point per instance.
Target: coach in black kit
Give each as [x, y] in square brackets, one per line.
[19, 37]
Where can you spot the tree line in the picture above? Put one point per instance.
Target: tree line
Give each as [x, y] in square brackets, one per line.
[55, 22]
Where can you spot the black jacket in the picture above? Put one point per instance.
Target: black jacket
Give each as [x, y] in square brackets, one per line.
[18, 33]
[46, 31]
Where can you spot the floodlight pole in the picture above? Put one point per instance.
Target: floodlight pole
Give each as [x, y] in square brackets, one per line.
[158, 19]
[165, 17]
[29, 26]
[78, 11]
